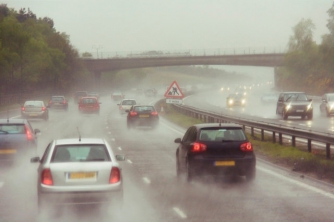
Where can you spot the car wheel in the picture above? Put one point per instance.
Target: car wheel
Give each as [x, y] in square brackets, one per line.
[189, 173]
[310, 116]
[251, 174]
[284, 115]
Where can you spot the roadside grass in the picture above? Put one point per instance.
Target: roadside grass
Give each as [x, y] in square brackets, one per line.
[297, 159]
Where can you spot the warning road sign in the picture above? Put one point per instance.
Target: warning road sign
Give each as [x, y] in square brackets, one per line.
[174, 91]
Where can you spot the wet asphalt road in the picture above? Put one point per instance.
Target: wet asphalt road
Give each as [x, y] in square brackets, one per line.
[151, 189]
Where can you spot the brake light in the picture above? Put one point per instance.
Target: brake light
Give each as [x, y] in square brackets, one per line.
[115, 175]
[28, 133]
[23, 108]
[64, 102]
[47, 177]
[133, 113]
[154, 113]
[43, 108]
[198, 147]
[246, 147]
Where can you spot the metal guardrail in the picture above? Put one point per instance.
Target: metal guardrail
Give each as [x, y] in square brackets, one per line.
[309, 135]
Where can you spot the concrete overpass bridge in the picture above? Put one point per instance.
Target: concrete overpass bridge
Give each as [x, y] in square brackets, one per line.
[158, 59]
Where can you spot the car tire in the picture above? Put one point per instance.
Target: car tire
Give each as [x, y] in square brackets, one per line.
[284, 115]
[250, 175]
[189, 173]
[310, 116]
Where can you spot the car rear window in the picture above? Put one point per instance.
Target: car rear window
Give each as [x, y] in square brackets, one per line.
[129, 102]
[143, 108]
[88, 101]
[12, 129]
[57, 99]
[33, 104]
[222, 134]
[80, 153]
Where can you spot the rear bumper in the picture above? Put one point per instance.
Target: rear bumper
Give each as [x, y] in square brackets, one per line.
[143, 122]
[200, 167]
[33, 115]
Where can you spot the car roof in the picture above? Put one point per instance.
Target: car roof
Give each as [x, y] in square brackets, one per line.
[217, 125]
[13, 121]
[58, 96]
[79, 141]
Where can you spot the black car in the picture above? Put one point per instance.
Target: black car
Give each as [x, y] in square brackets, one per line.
[327, 104]
[58, 102]
[17, 137]
[142, 115]
[294, 104]
[235, 99]
[215, 149]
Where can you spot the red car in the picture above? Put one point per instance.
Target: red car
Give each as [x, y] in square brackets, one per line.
[89, 105]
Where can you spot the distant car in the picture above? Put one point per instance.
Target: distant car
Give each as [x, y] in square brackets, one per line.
[78, 171]
[89, 105]
[142, 115]
[327, 104]
[235, 100]
[35, 109]
[215, 149]
[58, 102]
[79, 94]
[94, 94]
[126, 104]
[269, 97]
[17, 138]
[117, 95]
[150, 92]
[294, 104]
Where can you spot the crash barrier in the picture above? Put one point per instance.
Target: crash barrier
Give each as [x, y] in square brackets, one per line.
[326, 138]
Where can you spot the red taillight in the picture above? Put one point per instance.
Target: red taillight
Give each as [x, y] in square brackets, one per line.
[115, 175]
[28, 133]
[246, 147]
[198, 147]
[23, 108]
[154, 113]
[43, 108]
[64, 102]
[46, 177]
[133, 113]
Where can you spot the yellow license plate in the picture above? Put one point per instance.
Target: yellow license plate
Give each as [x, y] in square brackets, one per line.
[82, 175]
[144, 116]
[225, 163]
[9, 151]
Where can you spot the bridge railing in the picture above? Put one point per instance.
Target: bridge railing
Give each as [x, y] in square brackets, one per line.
[188, 52]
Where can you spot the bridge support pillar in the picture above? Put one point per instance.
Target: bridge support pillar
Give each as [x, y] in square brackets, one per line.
[97, 80]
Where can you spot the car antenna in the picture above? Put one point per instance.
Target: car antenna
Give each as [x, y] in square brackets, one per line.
[7, 116]
[79, 134]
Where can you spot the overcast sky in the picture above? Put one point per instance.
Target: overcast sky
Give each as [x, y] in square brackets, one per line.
[142, 25]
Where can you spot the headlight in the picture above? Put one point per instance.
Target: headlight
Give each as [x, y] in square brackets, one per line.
[245, 93]
[331, 106]
[243, 101]
[230, 101]
[288, 107]
[222, 89]
[309, 106]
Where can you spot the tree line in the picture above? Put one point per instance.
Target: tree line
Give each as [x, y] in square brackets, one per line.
[308, 66]
[34, 56]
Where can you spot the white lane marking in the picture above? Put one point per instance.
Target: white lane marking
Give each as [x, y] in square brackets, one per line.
[129, 161]
[1, 184]
[109, 132]
[173, 129]
[15, 117]
[146, 180]
[119, 148]
[306, 186]
[179, 212]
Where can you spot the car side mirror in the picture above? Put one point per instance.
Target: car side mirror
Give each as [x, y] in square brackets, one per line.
[120, 157]
[177, 140]
[37, 131]
[35, 159]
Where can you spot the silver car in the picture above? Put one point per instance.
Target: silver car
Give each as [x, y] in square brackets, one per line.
[79, 171]
[35, 109]
[125, 105]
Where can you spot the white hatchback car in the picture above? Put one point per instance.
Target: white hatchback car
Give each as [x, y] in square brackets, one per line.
[79, 171]
[126, 104]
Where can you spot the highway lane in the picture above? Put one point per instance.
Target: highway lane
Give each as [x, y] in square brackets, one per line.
[151, 190]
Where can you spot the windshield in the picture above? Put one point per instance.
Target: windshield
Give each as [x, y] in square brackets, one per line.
[295, 97]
